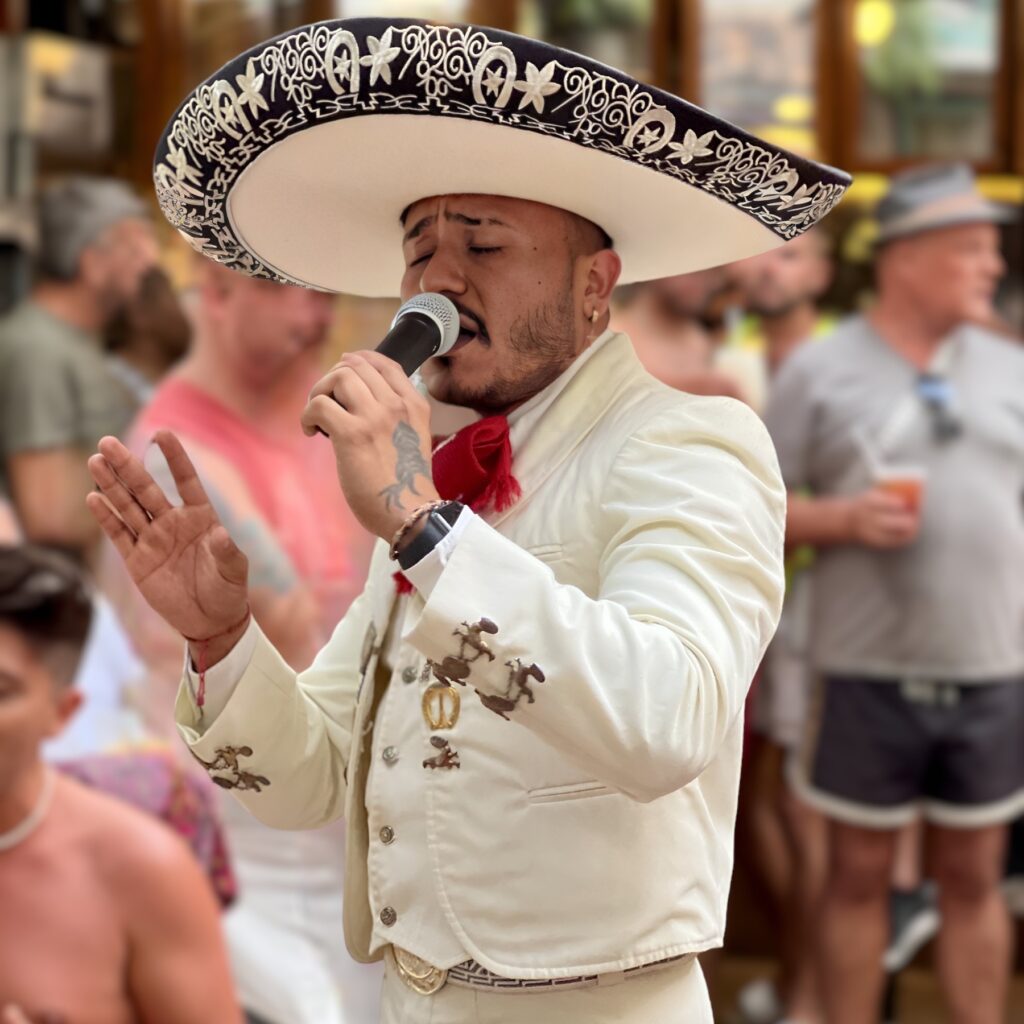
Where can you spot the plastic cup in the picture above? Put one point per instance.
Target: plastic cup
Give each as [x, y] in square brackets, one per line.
[905, 482]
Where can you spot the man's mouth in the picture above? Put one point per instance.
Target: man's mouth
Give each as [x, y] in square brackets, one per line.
[470, 330]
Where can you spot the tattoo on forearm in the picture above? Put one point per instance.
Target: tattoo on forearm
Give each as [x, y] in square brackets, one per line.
[410, 465]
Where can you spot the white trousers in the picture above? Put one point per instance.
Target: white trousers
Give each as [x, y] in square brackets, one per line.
[285, 934]
[675, 995]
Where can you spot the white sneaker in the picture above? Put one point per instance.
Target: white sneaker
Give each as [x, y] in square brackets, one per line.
[914, 920]
[758, 1002]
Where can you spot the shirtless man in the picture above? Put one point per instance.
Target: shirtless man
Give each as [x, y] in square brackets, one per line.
[106, 919]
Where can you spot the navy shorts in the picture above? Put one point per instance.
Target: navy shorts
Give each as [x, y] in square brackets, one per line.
[880, 753]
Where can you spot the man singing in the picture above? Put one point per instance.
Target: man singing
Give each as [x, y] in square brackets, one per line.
[531, 718]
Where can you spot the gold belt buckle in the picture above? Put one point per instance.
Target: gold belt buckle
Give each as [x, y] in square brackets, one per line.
[420, 976]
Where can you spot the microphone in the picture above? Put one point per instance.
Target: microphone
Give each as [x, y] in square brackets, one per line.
[427, 325]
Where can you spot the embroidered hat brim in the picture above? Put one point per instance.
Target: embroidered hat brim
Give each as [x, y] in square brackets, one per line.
[295, 160]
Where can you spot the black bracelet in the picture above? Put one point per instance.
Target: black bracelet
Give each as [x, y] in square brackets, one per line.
[435, 527]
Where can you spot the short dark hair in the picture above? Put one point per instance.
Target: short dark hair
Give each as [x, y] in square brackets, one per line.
[588, 237]
[44, 598]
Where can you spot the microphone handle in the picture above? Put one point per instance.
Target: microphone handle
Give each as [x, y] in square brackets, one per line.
[411, 342]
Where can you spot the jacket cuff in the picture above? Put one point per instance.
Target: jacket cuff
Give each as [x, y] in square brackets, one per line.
[237, 747]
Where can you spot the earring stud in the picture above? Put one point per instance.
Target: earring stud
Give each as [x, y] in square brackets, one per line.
[594, 314]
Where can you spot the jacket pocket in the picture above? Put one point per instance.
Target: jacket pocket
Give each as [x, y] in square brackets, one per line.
[545, 552]
[569, 791]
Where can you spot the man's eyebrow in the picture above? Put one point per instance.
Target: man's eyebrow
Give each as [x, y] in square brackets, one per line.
[474, 222]
[418, 228]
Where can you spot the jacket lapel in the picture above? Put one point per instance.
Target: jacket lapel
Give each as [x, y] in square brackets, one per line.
[540, 444]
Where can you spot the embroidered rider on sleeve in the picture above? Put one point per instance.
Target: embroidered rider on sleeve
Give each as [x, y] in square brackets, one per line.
[227, 759]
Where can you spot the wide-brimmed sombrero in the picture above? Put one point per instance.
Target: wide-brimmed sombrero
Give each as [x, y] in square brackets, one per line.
[296, 159]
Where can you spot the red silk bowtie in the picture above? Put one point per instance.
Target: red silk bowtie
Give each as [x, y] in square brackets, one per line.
[474, 467]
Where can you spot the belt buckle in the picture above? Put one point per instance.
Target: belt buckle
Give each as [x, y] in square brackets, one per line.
[417, 974]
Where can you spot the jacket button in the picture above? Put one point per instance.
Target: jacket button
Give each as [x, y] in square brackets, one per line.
[387, 835]
[388, 916]
[409, 674]
[390, 755]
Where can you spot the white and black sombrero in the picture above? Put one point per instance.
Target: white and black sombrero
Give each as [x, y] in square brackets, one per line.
[296, 159]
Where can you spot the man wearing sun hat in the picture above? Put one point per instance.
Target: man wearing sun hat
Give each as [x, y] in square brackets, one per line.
[534, 731]
[918, 595]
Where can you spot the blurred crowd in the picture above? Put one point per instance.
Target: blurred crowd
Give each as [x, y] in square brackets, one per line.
[884, 764]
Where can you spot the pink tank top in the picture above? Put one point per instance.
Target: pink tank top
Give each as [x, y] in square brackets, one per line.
[292, 480]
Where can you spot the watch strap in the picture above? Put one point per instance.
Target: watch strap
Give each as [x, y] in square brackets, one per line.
[436, 526]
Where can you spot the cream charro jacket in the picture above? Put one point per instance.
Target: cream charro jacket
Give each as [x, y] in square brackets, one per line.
[589, 829]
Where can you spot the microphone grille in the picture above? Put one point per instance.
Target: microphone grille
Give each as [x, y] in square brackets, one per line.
[441, 310]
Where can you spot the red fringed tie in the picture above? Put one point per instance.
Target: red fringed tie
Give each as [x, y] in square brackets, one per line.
[474, 466]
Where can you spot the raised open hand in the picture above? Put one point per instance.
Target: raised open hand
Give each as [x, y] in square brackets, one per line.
[180, 556]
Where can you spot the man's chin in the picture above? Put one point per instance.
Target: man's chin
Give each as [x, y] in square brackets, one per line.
[444, 384]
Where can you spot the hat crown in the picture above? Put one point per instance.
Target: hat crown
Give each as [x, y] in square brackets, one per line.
[922, 186]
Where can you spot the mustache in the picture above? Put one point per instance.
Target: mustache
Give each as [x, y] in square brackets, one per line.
[475, 317]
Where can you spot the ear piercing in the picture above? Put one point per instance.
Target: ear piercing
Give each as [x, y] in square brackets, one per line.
[593, 316]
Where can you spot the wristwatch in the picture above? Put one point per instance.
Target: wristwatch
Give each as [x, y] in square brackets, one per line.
[435, 527]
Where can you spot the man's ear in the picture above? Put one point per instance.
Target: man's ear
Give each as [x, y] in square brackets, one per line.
[822, 277]
[66, 704]
[92, 265]
[603, 273]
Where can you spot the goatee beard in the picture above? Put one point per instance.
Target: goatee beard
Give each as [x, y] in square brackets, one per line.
[542, 345]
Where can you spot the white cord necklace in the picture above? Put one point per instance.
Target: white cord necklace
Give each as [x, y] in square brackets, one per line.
[21, 832]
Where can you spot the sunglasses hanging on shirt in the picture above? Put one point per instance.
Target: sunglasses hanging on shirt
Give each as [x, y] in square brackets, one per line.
[937, 394]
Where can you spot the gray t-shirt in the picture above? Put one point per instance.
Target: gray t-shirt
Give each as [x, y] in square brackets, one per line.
[56, 390]
[951, 605]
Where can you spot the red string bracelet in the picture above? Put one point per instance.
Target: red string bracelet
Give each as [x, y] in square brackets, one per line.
[201, 694]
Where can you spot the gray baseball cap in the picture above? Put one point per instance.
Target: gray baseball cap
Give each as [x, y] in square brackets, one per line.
[931, 197]
[73, 212]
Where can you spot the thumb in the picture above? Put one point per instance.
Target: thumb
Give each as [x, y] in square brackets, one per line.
[231, 562]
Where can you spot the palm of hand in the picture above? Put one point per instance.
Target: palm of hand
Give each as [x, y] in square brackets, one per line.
[176, 570]
[180, 557]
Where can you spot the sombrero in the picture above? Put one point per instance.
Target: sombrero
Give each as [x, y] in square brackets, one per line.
[296, 159]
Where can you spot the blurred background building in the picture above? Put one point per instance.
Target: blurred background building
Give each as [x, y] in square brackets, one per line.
[867, 85]
[871, 86]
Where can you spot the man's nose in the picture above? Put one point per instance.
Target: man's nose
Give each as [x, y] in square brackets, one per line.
[442, 273]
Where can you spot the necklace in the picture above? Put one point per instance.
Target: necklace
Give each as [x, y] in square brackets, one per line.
[20, 832]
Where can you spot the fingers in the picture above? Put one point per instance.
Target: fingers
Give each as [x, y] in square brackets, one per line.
[146, 491]
[120, 536]
[381, 389]
[322, 413]
[122, 500]
[231, 562]
[885, 501]
[185, 477]
[391, 373]
[345, 387]
[892, 530]
[361, 376]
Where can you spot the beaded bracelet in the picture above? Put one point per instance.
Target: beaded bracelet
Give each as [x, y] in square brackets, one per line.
[416, 515]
